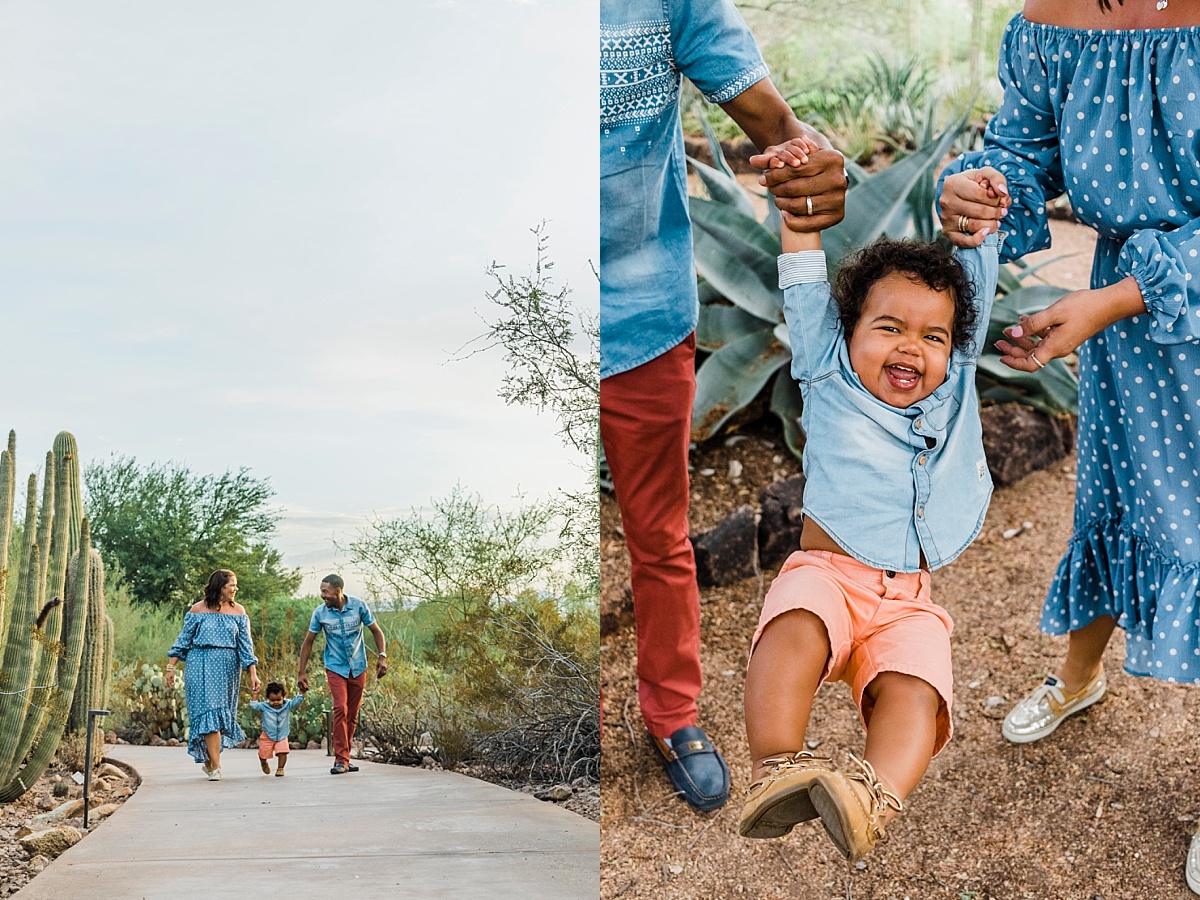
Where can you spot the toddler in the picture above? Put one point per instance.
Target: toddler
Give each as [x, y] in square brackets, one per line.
[897, 485]
[276, 720]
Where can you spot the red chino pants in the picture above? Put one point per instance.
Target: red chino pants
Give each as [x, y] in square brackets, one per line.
[645, 423]
[347, 698]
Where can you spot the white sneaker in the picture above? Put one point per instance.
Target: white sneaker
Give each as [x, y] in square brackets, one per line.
[214, 775]
[1044, 710]
[1192, 870]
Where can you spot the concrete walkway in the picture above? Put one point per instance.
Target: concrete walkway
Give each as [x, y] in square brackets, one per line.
[387, 831]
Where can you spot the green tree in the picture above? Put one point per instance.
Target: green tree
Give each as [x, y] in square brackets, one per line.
[167, 528]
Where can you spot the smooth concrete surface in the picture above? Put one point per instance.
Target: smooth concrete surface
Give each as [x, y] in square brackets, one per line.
[387, 831]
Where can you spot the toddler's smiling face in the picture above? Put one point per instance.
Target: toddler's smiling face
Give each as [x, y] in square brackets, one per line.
[901, 345]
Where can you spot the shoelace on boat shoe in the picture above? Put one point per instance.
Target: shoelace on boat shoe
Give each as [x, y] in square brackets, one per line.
[881, 797]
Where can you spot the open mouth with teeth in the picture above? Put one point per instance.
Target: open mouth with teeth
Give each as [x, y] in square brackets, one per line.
[901, 377]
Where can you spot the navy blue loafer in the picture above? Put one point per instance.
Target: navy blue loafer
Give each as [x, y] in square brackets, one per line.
[695, 768]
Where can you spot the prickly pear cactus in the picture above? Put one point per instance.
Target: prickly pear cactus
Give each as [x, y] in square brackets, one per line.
[156, 709]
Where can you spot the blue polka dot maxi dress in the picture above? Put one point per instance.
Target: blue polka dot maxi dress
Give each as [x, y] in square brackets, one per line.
[1112, 118]
[216, 647]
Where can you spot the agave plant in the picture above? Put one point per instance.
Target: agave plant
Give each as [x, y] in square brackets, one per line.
[741, 324]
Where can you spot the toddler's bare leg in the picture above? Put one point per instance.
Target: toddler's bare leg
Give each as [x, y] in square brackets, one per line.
[280, 762]
[781, 682]
[1085, 650]
[902, 731]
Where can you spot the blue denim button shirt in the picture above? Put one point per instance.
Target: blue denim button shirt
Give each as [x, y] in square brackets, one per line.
[345, 653]
[647, 280]
[276, 722]
[887, 483]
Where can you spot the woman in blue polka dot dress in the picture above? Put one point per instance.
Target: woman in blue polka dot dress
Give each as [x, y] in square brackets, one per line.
[1100, 100]
[215, 643]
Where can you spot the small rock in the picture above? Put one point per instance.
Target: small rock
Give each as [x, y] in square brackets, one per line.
[156, 741]
[46, 802]
[1010, 533]
[22, 831]
[782, 517]
[123, 791]
[992, 702]
[312, 745]
[1154, 734]
[52, 841]
[861, 865]
[103, 811]
[1116, 805]
[558, 792]
[675, 870]
[37, 863]
[708, 472]
[428, 762]
[729, 552]
[67, 810]
[729, 673]
[110, 737]
[812, 745]
[174, 742]
[735, 470]
[108, 770]
[100, 784]
[734, 440]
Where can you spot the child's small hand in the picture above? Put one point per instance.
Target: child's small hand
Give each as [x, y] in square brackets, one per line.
[792, 153]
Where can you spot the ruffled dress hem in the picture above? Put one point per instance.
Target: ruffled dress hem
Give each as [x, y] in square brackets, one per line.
[1109, 570]
[222, 720]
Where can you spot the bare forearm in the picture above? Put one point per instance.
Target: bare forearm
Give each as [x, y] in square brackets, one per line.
[766, 118]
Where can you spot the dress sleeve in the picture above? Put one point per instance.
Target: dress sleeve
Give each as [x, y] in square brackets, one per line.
[1162, 263]
[714, 48]
[245, 647]
[183, 643]
[983, 267]
[1022, 141]
[811, 316]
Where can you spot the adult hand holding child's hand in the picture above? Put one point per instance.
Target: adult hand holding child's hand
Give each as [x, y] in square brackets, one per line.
[808, 180]
[972, 204]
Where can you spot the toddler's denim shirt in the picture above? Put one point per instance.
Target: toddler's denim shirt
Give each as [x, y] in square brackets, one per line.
[887, 483]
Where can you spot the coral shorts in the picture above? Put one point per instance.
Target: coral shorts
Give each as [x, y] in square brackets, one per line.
[268, 748]
[877, 621]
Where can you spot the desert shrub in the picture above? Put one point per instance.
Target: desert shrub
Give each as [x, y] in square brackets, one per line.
[156, 710]
[412, 700]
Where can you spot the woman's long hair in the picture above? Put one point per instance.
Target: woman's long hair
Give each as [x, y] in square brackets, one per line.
[216, 583]
[1105, 5]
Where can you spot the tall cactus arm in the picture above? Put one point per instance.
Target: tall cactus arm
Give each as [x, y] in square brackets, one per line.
[85, 569]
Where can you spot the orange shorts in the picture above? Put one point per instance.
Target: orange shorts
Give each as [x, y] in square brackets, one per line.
[876, 622]
[268, 748]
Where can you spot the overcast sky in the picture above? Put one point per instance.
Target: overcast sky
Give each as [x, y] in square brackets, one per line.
[255, 233]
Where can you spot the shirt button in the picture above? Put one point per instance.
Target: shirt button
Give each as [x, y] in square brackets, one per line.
[921, 460]
[919, 422]
[920, 512]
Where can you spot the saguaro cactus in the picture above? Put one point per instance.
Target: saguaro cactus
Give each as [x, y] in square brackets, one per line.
[42, 644]
[84, 571]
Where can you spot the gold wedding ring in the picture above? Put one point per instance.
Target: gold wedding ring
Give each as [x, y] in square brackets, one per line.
[964, 224]
[1041, 365]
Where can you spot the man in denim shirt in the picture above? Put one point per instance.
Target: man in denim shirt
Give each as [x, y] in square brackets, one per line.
[342, 619]
[648, 314]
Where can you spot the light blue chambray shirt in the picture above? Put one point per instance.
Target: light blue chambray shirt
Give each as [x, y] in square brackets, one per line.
[647, 280]
[887, 483]
[276, 722]
[345, 653]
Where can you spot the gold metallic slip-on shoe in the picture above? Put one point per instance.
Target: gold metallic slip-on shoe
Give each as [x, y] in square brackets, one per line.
[1044, 710]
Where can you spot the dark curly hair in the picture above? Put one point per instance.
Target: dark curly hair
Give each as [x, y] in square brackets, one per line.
[933, 265]
[275, 689]
[216, 583]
